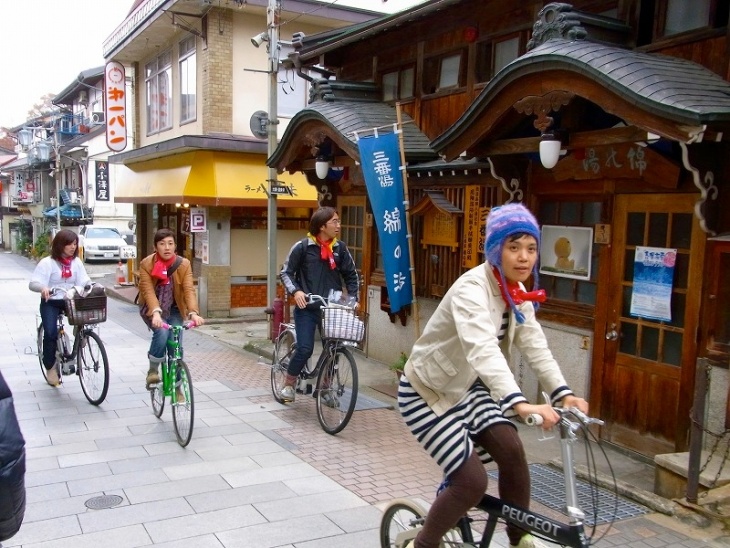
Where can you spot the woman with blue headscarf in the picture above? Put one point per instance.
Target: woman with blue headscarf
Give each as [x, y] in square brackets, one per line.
[458, 390]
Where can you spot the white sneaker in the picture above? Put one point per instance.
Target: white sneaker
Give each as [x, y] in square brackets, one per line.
[287, 394]
[52, 376]
[528, 541]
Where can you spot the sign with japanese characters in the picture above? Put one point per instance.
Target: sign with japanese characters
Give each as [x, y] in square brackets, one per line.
[380, 160]
[115, 106]
[653, 277]
[101, 180]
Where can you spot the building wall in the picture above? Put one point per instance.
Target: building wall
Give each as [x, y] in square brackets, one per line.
[571, 347]
[217, 62]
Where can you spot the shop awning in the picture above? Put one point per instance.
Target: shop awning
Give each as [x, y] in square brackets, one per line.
[207, 178]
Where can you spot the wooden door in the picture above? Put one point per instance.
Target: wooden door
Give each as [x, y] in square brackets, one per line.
[648, 365]
[354, 234]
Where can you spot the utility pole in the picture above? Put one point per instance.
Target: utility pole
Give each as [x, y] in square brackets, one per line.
[272, 19]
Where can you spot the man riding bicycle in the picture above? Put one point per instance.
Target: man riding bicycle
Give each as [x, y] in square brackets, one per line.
[317, 264]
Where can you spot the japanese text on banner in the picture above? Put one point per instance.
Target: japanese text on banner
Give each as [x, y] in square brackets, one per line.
[380, 160]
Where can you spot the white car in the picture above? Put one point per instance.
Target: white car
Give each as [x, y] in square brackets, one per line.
[101, 243]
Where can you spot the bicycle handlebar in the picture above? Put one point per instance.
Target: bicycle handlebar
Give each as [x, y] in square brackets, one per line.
[565, 412]
[314, 298]
[186, 325]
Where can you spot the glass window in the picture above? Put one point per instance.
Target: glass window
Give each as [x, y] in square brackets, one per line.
[158, 80]
[188, 80]
[505, 52]
[683, 16]
[565, 213]
[398, 84]
[449, 74]
[390, 86]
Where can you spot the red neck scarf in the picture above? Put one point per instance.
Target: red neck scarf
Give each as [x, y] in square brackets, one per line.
[159, 268]
[325, 251]
[517, 294]
[66, 266]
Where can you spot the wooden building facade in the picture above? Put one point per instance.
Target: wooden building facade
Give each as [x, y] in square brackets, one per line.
[635, 92]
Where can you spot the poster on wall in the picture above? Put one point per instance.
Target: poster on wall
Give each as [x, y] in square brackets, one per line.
[566, 251]
[651, 296]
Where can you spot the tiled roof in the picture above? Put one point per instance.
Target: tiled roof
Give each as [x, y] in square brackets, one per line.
[347, 117]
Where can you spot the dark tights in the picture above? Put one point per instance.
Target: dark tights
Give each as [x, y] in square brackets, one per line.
[469, 482]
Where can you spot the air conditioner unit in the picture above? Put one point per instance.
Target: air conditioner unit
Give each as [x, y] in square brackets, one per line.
[83, 97]
[97, 118]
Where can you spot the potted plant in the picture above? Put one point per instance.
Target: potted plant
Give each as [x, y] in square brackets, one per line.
[399, 364]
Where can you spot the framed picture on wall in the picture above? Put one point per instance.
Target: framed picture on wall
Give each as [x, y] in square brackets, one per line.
[172, 222]
[566, 251]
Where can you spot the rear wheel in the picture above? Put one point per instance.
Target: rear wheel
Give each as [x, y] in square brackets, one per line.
[283, 351]
[183, 405]
[336, 391]
[93, 367]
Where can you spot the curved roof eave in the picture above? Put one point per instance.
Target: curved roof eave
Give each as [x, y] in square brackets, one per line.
[344, 119]
[674, 89]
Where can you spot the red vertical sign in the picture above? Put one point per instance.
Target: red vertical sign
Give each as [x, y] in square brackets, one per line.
[115, 106]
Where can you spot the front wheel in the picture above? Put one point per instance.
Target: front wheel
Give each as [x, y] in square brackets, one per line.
[336, 390]
[39, 342]
[400, 522]
[93, 367]
[183, 405]
[283, 351]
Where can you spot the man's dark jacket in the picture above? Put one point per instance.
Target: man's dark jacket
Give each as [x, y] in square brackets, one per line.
[305, 270]
[12, 466]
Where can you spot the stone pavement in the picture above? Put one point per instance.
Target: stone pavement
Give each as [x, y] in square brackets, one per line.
[256, 474]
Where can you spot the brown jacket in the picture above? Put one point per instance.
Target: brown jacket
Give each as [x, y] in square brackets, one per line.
[183, 289]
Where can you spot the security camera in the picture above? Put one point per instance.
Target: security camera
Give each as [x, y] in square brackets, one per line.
[260, 39]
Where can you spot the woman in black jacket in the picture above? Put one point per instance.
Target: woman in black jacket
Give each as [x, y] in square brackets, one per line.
[12, 466]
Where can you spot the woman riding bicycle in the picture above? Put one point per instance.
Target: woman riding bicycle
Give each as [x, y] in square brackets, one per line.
[166, 296]
[457, 389]
[317, 264]
[63, 269]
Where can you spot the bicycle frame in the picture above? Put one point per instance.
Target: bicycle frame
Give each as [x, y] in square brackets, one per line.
[169, 366]
[406, 515]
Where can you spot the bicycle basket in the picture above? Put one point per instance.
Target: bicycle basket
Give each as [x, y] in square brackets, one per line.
[86, 310]
[343, 324]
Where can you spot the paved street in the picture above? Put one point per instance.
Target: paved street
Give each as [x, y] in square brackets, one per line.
[256, 474]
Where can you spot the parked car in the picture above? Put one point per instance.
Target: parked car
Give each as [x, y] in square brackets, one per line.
[101, 243]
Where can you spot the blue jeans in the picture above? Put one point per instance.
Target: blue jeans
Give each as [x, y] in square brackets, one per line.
[306, 322]
[50, 310]
[160, 337]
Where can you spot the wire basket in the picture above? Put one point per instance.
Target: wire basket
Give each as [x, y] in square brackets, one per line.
[86, 310]
[343, 324]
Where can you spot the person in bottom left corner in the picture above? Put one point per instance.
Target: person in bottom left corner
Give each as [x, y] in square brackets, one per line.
[63, 269]
[12, 466]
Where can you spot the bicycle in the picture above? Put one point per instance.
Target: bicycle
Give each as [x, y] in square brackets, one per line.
[403, 518]
[336, 387]
[177, 385]
[87, 357]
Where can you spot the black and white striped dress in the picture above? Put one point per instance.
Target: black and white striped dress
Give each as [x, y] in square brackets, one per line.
[448, 438]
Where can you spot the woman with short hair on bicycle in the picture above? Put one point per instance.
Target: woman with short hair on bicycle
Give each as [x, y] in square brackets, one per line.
[458, 390]
[318, 264]
[62, 269]
[166, 288]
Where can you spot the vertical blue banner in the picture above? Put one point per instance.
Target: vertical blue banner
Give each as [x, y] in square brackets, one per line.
[380, 161]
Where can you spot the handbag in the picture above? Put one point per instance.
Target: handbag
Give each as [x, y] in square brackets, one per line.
[162, 292]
